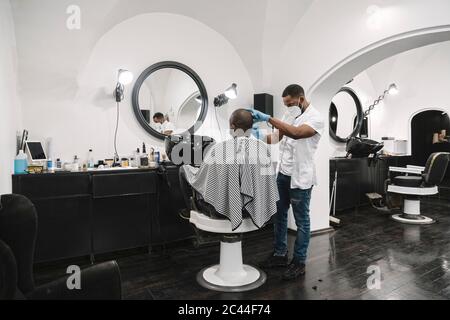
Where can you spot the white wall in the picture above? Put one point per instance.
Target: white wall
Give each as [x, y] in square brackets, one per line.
[86, 119]
[9, 101]
[423, 77]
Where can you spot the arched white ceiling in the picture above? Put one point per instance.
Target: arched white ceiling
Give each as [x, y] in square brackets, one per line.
[257, 29]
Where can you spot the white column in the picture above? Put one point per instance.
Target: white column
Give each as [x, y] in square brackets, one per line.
[231, 268]
[412, 207]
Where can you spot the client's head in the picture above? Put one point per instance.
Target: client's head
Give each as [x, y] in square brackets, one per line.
[241, 123]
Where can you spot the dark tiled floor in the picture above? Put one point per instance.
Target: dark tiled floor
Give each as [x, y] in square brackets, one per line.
[414, 262]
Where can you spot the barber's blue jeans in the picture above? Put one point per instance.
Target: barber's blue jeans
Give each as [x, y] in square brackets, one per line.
[300, 200]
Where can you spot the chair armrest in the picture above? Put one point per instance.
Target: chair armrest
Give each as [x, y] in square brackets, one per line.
[416, 167]
[406, 170]
[99, 282]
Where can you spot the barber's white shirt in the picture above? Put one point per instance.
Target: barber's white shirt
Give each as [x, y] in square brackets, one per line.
[167, 126]
[297, 156]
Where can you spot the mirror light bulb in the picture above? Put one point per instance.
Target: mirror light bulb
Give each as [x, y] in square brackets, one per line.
[231, 92]
[125, 77]
[393, 89]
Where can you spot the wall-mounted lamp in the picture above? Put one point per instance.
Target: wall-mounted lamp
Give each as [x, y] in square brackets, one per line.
[124, 77]
[230, 93]
[392, 90]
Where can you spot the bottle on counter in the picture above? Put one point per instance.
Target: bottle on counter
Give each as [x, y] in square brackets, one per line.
[137, 158]
[91, 162]
[21, 163]
[58, 164]
[50, 167]
[76, 164]
[143, 157]
[151, 155]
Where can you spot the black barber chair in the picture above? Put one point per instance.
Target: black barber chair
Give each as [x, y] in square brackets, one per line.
[416, 182]
[18, 229]
[187, 150]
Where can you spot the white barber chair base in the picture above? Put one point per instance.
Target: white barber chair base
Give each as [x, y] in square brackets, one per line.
[411, 207]
[403, 218]
[231, 275]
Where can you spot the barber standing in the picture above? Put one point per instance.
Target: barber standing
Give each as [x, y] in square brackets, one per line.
[299, 134]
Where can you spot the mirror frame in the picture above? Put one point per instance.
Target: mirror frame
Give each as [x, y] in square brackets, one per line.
[359, 114]
[167, 65]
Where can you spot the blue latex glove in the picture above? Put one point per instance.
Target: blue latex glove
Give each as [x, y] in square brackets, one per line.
[256, 132]
[259, 116]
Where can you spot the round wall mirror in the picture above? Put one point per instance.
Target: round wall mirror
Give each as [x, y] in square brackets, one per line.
[169, 98]
[344, 108]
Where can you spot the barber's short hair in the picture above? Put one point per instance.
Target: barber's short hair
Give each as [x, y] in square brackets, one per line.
[294, 90]
[242, 119]
[158, 115]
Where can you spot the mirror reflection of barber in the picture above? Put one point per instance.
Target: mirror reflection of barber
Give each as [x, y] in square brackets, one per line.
[299, 133]
[163, 123]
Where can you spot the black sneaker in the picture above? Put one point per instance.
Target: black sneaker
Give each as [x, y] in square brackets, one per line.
[294, 270]
[274, 261]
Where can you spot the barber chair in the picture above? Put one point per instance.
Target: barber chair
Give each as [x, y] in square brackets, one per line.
[362, 148]
[415, 182]
[18, 229]
[231, 274]
[187, 149]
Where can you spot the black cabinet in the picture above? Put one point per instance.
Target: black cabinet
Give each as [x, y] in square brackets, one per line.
[357, 177]
[86, 213]
[123, 205]
[63, 203]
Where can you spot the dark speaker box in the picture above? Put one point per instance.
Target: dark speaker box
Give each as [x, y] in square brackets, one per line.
[264, 102]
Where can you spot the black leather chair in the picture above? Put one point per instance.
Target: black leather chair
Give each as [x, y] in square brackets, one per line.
[416, 182]
[18, 229]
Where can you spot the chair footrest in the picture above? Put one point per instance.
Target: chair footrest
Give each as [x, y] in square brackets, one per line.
[374, 196]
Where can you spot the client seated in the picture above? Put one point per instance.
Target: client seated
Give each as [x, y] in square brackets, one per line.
[236, 179]
[232, 193]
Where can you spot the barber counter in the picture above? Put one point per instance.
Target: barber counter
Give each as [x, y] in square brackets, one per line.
[357, 177]
[90, 213]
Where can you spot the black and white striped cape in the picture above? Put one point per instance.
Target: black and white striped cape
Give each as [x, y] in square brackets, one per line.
[238, 174]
